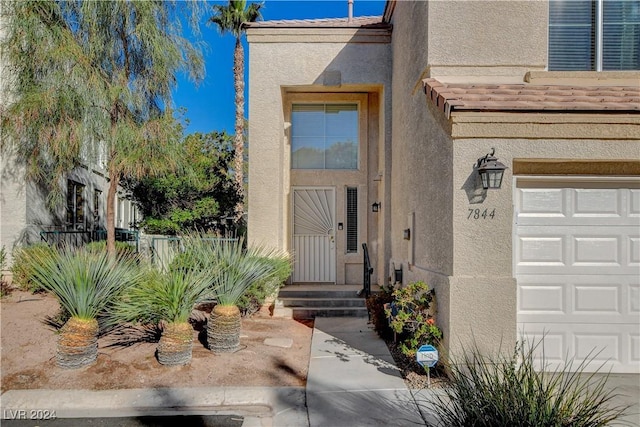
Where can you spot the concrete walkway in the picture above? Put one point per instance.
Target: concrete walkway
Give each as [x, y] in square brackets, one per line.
[352, 379]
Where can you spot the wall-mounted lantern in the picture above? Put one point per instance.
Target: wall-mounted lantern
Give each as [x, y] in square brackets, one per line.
[491, 171]
[375, 207]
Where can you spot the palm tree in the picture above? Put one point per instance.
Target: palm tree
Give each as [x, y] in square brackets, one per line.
[85, 283]
[232, 18]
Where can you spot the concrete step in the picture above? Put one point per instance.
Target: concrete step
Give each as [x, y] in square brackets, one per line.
[323, 291]
[306, 293]
[313, 312]
[323, 302]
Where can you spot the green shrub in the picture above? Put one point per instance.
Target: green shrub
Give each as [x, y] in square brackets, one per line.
[376, 307]
[251, 301]
[5, 288]
[160, 226]
[23, 267]
[410, 318]
[507, 390]
[122, 248]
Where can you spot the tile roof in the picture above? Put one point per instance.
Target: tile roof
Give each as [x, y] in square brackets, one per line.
[527, 97]
[356, 22]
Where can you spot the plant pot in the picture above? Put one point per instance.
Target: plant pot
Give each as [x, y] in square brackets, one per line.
[77, 343]
[176, 344]
[223, 329]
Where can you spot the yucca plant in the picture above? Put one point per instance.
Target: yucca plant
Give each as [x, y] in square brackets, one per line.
[166, 298]
[232, 270]
[85, 284]
[512, 390]
[259, 291]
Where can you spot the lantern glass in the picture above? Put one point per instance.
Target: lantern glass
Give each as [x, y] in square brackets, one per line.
[485, 179]
[494, 178]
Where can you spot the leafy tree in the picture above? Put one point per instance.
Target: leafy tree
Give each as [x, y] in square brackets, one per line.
[197, 200]
[92, 79]
[232, 18]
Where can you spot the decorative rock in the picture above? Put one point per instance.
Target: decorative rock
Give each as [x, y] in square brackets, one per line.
[279, 342]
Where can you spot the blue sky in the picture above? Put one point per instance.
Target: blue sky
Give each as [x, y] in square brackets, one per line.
[210, 105]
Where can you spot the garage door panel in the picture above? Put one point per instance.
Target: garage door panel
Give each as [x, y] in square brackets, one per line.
[538, 298]
[589, 299]
[597, 203]
[633, 250]
[633, 299]
[542, 250]
[634, 203]
[597, 300]
[634, 350]
[577, 250]
[552, 347]
[577, 206]
[596, 346]
[534, 203]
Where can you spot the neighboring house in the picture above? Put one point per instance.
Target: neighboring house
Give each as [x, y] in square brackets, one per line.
[391, 114]
[26, 217]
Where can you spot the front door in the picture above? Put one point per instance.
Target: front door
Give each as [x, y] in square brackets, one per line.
[314, 234]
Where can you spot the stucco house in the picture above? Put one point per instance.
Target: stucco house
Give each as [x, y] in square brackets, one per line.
[370, 130]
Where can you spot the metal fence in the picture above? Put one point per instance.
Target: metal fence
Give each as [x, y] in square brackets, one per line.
[75, 238]
[164, 248]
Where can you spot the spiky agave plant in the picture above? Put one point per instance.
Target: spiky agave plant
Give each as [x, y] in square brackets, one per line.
[232, 270]
[166, 298]
[85, 284]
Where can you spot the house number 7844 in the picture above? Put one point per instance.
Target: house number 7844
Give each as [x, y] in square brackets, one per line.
[481, 214]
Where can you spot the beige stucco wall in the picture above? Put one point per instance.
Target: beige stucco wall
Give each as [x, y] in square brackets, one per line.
[324, 64]
[421, 165]
[483, 291]
[486, 38]
[469, 261]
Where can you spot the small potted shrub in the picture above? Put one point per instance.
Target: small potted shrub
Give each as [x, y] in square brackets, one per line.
[410, 319]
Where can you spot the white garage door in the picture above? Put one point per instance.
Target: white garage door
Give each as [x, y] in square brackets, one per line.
[577, 263]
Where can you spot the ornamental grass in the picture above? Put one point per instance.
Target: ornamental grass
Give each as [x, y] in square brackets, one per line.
[511, 390]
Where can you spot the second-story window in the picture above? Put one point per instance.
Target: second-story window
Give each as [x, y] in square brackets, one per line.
[324, 136]
[594, 35]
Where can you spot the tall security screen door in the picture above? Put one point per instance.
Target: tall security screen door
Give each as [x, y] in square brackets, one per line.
[314, 235]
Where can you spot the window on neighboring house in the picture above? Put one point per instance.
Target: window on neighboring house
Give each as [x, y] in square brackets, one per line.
[75, 205]
[324, 136]
[97, 196]
[594, 35]
[120, 213]
[352, 220]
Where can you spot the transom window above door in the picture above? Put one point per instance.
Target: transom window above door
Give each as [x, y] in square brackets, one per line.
[324, 136]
